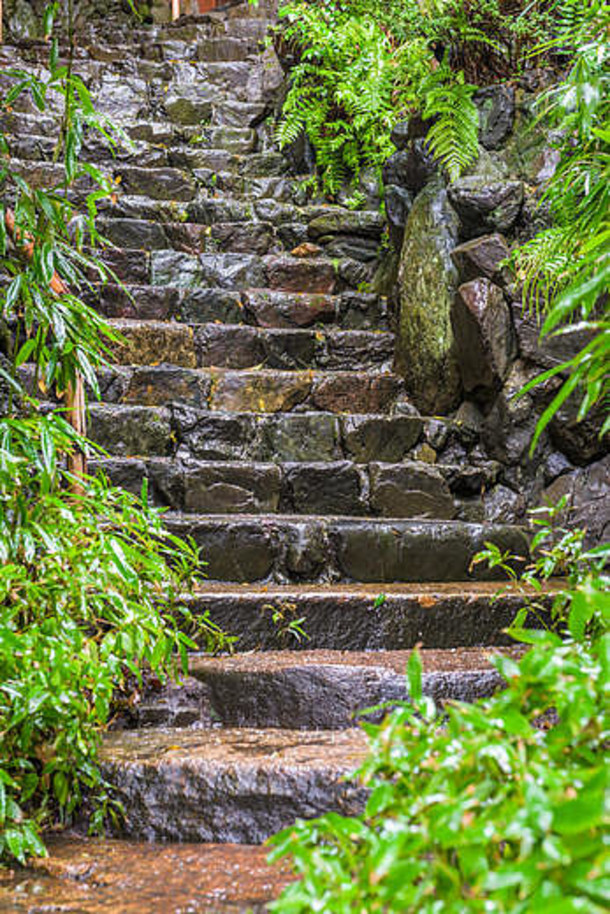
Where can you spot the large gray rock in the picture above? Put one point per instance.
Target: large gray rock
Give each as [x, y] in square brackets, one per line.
[410, 167]
[485, 205]
[398, 202]
[482, 257]
[484, 335]
[496, 106]
[588, 499]
[427, 281]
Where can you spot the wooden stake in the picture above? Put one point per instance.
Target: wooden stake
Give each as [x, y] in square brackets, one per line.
[0, 21]
[175, 9]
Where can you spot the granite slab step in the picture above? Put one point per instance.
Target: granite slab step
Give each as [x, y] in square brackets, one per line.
[200, 434]
[235, 271]
[264, 391]
[316, 689]
[241, 347]
[406, 490]
[227, 48]
[377, 616]
[255, 307]
[258, 238]
[236, 786]
[246, 548]
[93, 875]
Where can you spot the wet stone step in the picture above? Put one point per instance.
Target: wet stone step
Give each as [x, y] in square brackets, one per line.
[256, 164]
[227, 48]
[284, 548]
[233, 113]
[236, 271]
[237, 786]
[92, 876]
[204, 435]
[281, 273]
[282, 188]
[190, 238]
[405, 490]
[157, 183]
[235, 346]
[365, 617]
[264, 391]
[256, 307]
[308, 690]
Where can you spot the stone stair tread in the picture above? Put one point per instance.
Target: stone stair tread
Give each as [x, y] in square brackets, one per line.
[240, 346]
[261, 391]
[410, 489]
[231, 785]
[104, 874]
[377, 616]
[309, 689]
[452, 660]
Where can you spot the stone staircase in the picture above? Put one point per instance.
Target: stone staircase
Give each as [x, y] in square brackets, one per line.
[253, 389]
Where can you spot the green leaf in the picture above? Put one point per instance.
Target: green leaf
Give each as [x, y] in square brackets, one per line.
[414, 675]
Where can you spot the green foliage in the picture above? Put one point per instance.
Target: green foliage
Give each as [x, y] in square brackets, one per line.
[354, 80]
[90, 582]
[566, 269]
[90, 588]
[500, 806]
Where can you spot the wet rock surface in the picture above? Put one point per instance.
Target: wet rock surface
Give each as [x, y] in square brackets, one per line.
[233, 785]
[90, 876]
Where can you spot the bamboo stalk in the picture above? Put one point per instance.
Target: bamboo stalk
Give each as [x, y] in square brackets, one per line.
[75, 394]
[1, 11]
[175, 9]
[76, 415]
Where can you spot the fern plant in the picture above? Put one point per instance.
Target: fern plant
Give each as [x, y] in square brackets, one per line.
[566, 269]
[453, 137]
[343, 91]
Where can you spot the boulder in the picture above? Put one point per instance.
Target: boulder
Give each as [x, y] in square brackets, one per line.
[411, 168]
[398, 203]
[482, 257]
[588, 493]
[484, 336]
[496, 106]
[485, 206]
[367, 224]
[425, 352]
[400, 135]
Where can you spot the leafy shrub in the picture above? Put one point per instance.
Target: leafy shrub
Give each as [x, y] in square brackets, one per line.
[90, 588]
[363, 65]
[500, 806]
[90, 582]
[354, 80]
[566, 268]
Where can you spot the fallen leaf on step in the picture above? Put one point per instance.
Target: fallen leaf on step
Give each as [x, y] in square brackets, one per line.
[307, 249]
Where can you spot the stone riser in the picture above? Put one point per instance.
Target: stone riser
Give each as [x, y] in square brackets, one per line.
[237, 786]
[27, 148]
[162, 135]
[199, 434]
[235, 271]
[265, 391]
[254, 307]
[251, 548]
[372, 490]
[354, 618]
[313, 690]
[226, 346]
